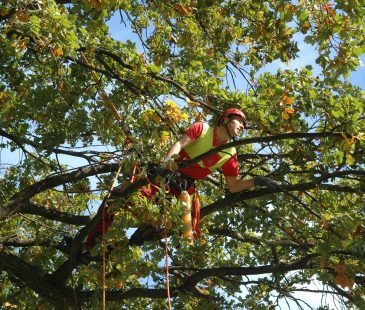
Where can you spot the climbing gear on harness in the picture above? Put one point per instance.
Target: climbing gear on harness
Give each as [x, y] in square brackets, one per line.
[186, 203]
[169, 163]
[181, 186]
[173, 179]
[196, 216]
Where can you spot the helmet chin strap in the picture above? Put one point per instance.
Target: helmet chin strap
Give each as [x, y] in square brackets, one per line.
[229, 133]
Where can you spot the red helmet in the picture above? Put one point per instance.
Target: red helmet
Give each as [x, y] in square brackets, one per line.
[233, 111]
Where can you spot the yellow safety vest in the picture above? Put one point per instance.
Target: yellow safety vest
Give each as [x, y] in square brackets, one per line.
[205, 143]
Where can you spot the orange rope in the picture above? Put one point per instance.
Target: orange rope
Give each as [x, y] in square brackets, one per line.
[167, 262]
[103, 268]
[166, 251]
[135, 169]
[104, 239]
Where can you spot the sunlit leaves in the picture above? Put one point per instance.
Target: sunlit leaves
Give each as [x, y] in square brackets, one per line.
[164, 65]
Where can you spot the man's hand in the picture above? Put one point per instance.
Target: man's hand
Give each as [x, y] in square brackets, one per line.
[265, 181]
[169, 163]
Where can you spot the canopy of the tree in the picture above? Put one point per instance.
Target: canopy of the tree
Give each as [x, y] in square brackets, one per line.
[89, 86]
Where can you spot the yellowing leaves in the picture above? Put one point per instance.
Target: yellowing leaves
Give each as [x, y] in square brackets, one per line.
[287, 99]
[21, 16]
[23, 43]
[287, 112]
[290, 111]
[210, 52]
[3, 96]
[137, 252]
[191, 103]
[150, 115]
[174, 113]
[57, 52]
[42, 43]
[118, 284]
[183, 9]
[360, 136]
[329, 9]
[350, 159]
[164, 136]
[347, 145]
[10, 305]
[97, 4]
[291, 8]
[168, 115]
[341, 278]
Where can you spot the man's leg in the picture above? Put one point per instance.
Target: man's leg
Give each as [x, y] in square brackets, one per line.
[99, 230]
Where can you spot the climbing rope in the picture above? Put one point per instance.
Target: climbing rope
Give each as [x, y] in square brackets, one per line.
[103, 236]
[166, 249]
[167, 261]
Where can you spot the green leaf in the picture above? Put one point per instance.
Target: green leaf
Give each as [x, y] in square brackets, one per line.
[35, 26]
[337, 113]
[302, 15]
[312, 94]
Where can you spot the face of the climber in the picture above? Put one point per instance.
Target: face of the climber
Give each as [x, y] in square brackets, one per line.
[234, 125]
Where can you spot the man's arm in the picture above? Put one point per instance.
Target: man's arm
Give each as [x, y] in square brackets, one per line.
[235, 184]
[178, 146]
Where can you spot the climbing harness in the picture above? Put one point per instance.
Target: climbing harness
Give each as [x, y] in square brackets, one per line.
[177, 183]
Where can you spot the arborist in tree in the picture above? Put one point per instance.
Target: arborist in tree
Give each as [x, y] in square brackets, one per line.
[198, 139]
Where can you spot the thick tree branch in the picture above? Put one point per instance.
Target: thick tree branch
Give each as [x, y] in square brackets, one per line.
[282, 267]
[144, 234]
[55, 215]
[241, 196]
[15, 241]
[191, 282]
[64, 272]
[20, 200]
[59, 296]
[268, 139]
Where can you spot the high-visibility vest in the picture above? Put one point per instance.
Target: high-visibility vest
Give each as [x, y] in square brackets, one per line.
[205, 143]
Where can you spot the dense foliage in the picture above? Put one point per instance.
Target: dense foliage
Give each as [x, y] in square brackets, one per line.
[165, 65]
